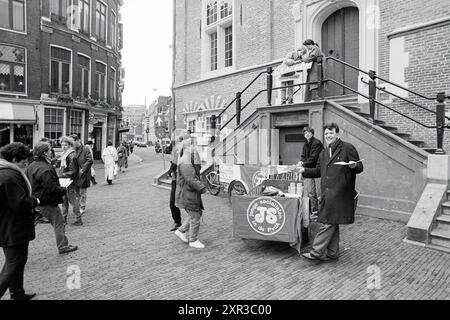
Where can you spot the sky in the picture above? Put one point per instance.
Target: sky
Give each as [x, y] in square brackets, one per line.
[146, 53]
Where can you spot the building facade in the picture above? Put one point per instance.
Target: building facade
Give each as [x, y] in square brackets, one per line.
[71, 70]
[221, 45]
[133, 117]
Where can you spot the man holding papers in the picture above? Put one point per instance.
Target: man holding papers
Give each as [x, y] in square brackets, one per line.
[45, 184]
[337, 203]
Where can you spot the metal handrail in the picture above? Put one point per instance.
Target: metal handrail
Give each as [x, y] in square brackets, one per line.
[401, 98]
[382, 79]
[265, 90]
[245, 89]
[380, 103]
[347, 64]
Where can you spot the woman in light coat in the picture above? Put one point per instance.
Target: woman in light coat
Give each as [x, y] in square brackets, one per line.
[109, 157]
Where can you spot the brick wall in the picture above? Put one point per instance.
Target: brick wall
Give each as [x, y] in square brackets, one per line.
[258, 42]
[429, 61]
[30, 41]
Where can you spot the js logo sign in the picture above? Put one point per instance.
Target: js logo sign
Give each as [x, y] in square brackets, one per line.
[266, 216]
[258, 178]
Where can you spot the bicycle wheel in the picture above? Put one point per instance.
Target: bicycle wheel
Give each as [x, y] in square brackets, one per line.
[213, 183]
[236, 188]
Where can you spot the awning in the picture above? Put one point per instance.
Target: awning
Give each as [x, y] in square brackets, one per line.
[17, 113]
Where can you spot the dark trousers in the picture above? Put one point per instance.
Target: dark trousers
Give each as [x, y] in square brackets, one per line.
[176, 213]
[11, 276]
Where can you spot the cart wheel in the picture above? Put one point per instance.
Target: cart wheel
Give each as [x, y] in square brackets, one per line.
[212, 183]
[236, 188]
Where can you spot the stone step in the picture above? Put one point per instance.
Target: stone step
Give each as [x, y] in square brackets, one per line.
[352, 108]
[446, 206]
[440, 237]
[443, 225]
[389, 128]
[430, 150]
[418, 143]
[444, 218]
[402, 135]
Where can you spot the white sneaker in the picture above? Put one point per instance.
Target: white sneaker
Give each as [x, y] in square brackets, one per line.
[181, 235]
[197, 244]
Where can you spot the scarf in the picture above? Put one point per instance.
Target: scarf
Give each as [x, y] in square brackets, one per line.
[9, 165]
[64, 156]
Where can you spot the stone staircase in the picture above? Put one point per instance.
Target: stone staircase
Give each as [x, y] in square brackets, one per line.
[351, 103]
[440, 234]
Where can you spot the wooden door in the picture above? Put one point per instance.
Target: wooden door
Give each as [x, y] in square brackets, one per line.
[340, 39]
[291, 145]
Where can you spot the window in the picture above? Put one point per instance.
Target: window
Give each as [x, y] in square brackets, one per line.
[208, 123]
[112, 85]
[225, 9]
[60, 81]
[58, 10]
[112, 30]
[85, 16]
[12, 69]
[84, 71]
[12, 14]
[213, 51]
[217, 45]
[111, 127]
[228, 46]
[100, 21]
[76, 122]
[191, 126]
[211, 12]
[100, 80]
[54, 123]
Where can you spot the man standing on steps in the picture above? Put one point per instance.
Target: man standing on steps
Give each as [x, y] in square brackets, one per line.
[309, 157]
[337, 167]
[176, 213]
[85, 163]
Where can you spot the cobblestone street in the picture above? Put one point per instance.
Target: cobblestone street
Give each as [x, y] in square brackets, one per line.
[127, 252]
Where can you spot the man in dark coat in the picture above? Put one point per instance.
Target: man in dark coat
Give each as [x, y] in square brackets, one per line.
[16, 218]
[85, 163]
[45, 184]
[308, 159]
[337, 203]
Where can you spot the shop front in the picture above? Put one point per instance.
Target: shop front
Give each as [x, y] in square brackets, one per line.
[17, 123]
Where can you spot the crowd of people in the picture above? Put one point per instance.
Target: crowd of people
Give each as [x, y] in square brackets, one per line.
[31, 193]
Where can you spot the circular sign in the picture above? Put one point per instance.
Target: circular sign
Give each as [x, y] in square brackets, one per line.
[258, 178]
[266, 216]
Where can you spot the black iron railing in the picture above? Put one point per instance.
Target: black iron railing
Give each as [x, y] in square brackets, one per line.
[371, 97]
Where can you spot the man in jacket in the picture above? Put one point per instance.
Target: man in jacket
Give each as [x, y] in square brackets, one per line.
[337, 203]
[308, 159]
[85, 162]
[69, 169]
[45, 184]
[16, 218]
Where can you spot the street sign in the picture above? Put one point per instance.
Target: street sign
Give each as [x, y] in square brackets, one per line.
[160, 121]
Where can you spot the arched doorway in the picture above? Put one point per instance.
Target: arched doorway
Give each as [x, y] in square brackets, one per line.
[340, 38]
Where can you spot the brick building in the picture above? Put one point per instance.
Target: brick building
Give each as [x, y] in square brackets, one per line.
[220, 46]
[67, 55]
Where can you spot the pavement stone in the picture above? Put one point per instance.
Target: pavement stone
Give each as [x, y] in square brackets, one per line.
[127, 252]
